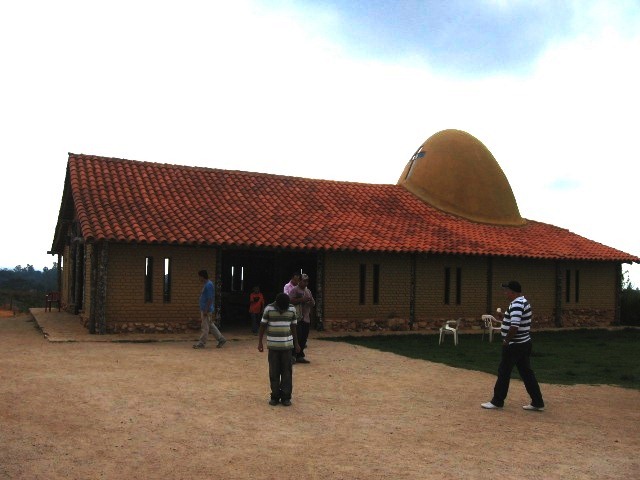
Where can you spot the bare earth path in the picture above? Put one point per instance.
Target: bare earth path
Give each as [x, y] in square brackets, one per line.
[100, 410]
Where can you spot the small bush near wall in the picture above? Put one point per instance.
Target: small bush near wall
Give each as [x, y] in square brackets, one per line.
[630, 306]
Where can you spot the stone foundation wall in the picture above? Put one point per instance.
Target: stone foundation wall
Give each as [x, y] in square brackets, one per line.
[391, 324]
[148, 327]
[571, 319]
[193, 326]
[583, 317]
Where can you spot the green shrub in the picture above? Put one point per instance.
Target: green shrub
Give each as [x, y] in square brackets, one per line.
[630, 306]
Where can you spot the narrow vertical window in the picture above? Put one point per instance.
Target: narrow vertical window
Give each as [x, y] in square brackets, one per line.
[577, 282]
[234, 282]
[447, 285]
[148, 280]
[363, 282]
[237, 279]
[166, 293]
[376, 284]
[568, 286]
[458, 286]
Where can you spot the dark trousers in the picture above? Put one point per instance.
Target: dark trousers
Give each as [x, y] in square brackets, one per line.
[303, 335]
[280, 374]
[518, 355]
[255, 322]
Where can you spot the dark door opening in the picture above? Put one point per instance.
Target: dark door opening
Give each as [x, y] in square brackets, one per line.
[241, 270]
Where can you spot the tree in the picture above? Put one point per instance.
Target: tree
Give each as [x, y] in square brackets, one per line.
[24, 288]
[629, 302]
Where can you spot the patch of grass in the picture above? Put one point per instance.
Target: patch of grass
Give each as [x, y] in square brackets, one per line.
[569, 357]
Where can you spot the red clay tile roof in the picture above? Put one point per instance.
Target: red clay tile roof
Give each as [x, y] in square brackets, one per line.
[130, 201]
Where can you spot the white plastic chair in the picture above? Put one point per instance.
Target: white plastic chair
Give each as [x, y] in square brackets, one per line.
[492, 324]
[450, 328]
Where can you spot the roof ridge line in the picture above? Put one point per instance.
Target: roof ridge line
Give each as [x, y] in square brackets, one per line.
[223, 170]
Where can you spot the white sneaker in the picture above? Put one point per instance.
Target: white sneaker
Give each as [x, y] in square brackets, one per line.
[533, 409]
[489, 405]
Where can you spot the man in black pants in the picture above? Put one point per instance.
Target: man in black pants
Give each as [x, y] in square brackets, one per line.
[302, 299]
[516, 351]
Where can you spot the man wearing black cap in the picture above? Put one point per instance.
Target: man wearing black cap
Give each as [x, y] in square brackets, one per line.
[516, 350]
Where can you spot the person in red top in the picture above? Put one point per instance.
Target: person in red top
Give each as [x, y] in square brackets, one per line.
[256, 306]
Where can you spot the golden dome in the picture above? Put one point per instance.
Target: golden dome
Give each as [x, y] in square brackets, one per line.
[455, 172]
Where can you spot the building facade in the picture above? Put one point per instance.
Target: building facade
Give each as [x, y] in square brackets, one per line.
[131, 237]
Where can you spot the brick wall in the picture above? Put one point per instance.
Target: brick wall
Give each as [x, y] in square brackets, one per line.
[595, 305]
[431, 309]
[596, 284]
[126, 308]
[342, 290]
[537, 278]
[596, 292]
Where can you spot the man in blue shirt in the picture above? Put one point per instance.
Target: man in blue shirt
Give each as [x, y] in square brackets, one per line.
[206, 310]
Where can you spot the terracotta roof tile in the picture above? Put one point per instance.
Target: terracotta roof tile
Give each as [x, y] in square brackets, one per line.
[130, 201]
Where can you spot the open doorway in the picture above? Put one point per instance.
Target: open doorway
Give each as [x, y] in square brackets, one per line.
[241, 270]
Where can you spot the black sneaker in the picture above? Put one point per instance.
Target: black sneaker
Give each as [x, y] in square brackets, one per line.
[273, 401]
[286, 403]
[302, 360]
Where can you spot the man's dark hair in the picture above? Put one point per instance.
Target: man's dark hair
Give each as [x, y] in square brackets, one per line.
[295, 274]
[203, 274]
[282, 302]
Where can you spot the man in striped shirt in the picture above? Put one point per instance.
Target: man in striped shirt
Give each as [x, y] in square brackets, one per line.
[516, 350]
[279, 321]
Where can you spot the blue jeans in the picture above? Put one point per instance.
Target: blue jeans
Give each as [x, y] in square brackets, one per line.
[516, 355]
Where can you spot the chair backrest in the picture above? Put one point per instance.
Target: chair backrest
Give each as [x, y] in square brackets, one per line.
[53, 296]
[454, 323]
[489, 321]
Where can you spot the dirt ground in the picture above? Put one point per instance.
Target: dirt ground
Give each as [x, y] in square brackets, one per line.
[104, 410]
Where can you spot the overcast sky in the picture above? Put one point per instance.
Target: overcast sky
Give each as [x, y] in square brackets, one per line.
[343, 90]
